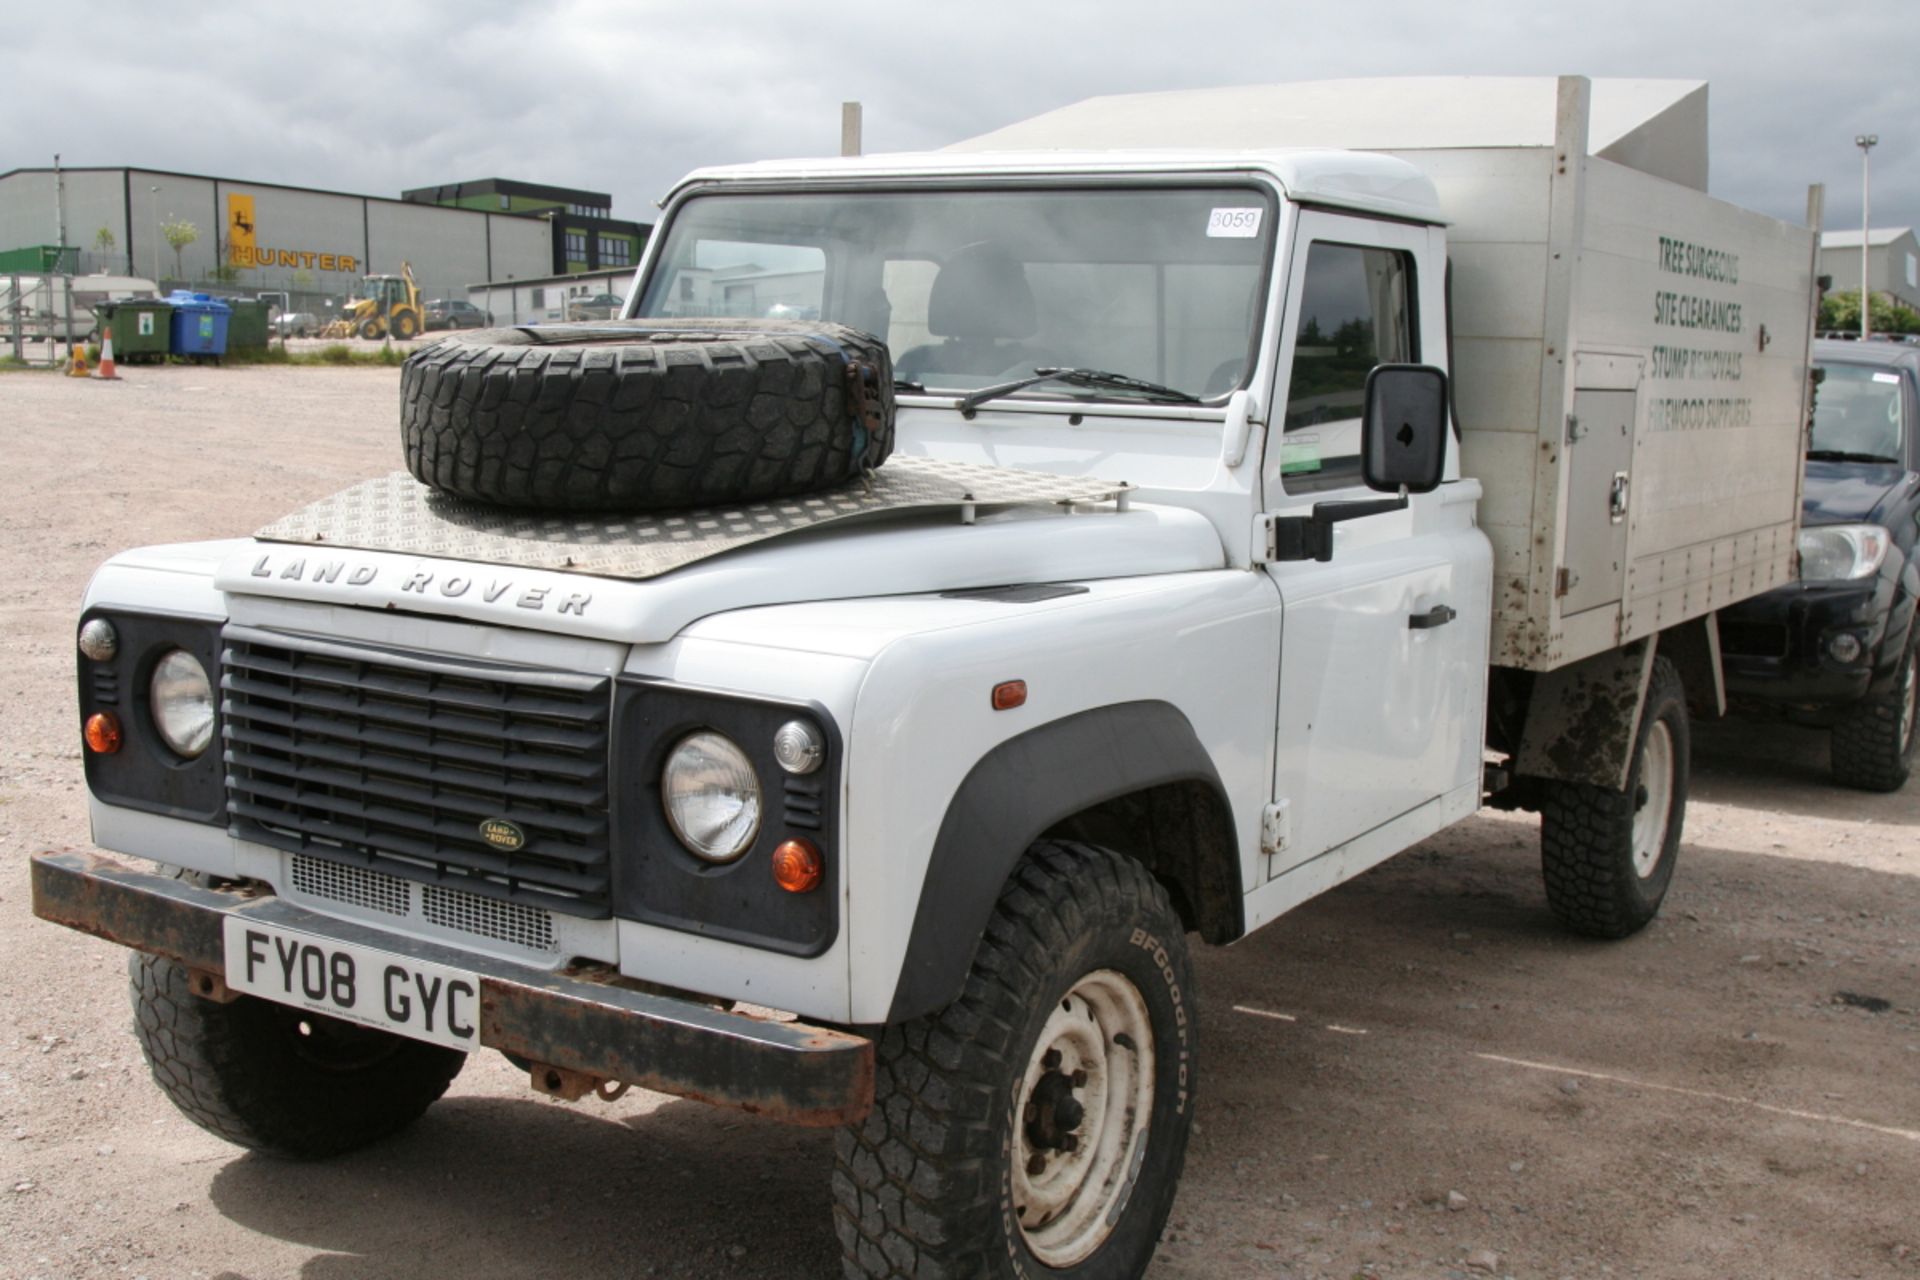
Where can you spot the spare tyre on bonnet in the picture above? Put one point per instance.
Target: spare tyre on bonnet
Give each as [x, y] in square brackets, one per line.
[634, 416]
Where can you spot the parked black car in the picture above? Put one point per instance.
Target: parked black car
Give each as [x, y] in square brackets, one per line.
[455, 313]
[1837, 648]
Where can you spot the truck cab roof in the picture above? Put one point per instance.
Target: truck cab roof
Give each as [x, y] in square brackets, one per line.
[1369, 183]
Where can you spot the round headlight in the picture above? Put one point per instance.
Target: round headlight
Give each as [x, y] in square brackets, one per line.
[181, 698]
[798, 747]
[712, 796]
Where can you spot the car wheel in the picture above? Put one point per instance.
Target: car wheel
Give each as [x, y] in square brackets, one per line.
[1608, 855]
[1873, 747]
[275, 1078]
[1038, 1124]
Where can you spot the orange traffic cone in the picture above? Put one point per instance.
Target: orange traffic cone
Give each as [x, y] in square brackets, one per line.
[76, 358]
[106, 357]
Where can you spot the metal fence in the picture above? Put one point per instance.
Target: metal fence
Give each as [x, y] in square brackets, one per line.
[38, 314]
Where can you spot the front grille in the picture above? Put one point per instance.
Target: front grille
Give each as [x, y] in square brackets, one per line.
[394, 761]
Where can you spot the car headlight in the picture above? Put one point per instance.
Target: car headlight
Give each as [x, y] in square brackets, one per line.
[711, 795]
[1842, 552]
[181, 698]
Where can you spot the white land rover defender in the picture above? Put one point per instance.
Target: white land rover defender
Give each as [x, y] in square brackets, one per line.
[1256, 509]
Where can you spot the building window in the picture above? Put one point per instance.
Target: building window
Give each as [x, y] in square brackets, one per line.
[537, 297]
[576, 246]
[616, 251]
[506, 202]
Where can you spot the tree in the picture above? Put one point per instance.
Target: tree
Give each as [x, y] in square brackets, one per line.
[1841, 312]
[179, 233]
[103, 240]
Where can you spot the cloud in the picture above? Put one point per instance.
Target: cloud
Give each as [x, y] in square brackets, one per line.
[627, 97]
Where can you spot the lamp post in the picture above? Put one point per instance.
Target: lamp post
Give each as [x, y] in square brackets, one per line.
[1866, 142]
[153, 230]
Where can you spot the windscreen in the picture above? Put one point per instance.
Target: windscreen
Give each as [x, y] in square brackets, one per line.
[1858, 411]
[974, 288]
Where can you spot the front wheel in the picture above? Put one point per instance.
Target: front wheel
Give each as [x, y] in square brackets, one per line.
[1037, 1126]
[370, 330]
[276, 1078]
[1608, 855]
[1873, 746]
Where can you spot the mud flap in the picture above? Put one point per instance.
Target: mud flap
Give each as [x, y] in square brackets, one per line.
[1582, 718]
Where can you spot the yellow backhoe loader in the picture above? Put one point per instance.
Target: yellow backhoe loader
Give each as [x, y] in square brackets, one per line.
[381, 306]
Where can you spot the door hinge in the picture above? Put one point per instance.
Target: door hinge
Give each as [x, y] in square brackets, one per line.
[1574, 431]
[1563, 581]
[1276, 828]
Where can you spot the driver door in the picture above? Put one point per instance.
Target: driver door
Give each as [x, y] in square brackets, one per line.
[1383, 648]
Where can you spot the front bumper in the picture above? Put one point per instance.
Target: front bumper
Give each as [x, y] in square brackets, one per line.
[571, 1025]
[1777, 648]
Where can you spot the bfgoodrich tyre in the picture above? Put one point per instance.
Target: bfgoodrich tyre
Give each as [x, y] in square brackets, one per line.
[646, 415]
[1037, 1126]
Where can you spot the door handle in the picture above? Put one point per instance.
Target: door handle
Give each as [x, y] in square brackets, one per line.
[1438, 616]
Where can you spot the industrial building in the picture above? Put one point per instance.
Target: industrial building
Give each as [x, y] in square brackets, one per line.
[1893, 262]
[312, 244]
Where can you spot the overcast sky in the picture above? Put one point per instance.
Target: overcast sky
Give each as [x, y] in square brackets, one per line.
[626, 97]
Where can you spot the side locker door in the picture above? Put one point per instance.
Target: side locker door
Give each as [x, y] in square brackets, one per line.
[1600, 437]
[1383, 648]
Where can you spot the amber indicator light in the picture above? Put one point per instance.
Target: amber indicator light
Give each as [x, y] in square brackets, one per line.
[103, 733]
[1009, 694]
[797, 866]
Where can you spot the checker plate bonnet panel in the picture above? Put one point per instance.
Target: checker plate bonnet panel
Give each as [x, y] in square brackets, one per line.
[396, 513]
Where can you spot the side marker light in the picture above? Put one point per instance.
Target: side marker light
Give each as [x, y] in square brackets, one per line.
[1009, 694]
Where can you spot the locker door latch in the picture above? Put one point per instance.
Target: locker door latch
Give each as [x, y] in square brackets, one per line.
[1617, 498]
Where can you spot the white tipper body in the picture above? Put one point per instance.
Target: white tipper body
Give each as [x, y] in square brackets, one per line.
[1339, 734]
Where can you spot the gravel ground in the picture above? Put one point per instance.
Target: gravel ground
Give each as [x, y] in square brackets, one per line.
[1416, 1075]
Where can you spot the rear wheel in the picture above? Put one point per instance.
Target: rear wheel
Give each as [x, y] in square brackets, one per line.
[405, 326]
[1037, 1126]
[1873, 746]
[279, 1079]
[1608, 855]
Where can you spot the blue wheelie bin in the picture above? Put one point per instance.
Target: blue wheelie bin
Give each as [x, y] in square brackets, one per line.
[199, 325]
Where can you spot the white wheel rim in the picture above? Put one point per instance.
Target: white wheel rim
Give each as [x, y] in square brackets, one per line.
[1096, 1052]
[1653, 801]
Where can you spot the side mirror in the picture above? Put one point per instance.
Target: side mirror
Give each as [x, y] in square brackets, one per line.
[1403, 441]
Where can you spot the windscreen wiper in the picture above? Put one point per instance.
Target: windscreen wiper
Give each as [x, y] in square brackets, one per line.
[909, 386]
[1097, 379]
[1842, 455]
